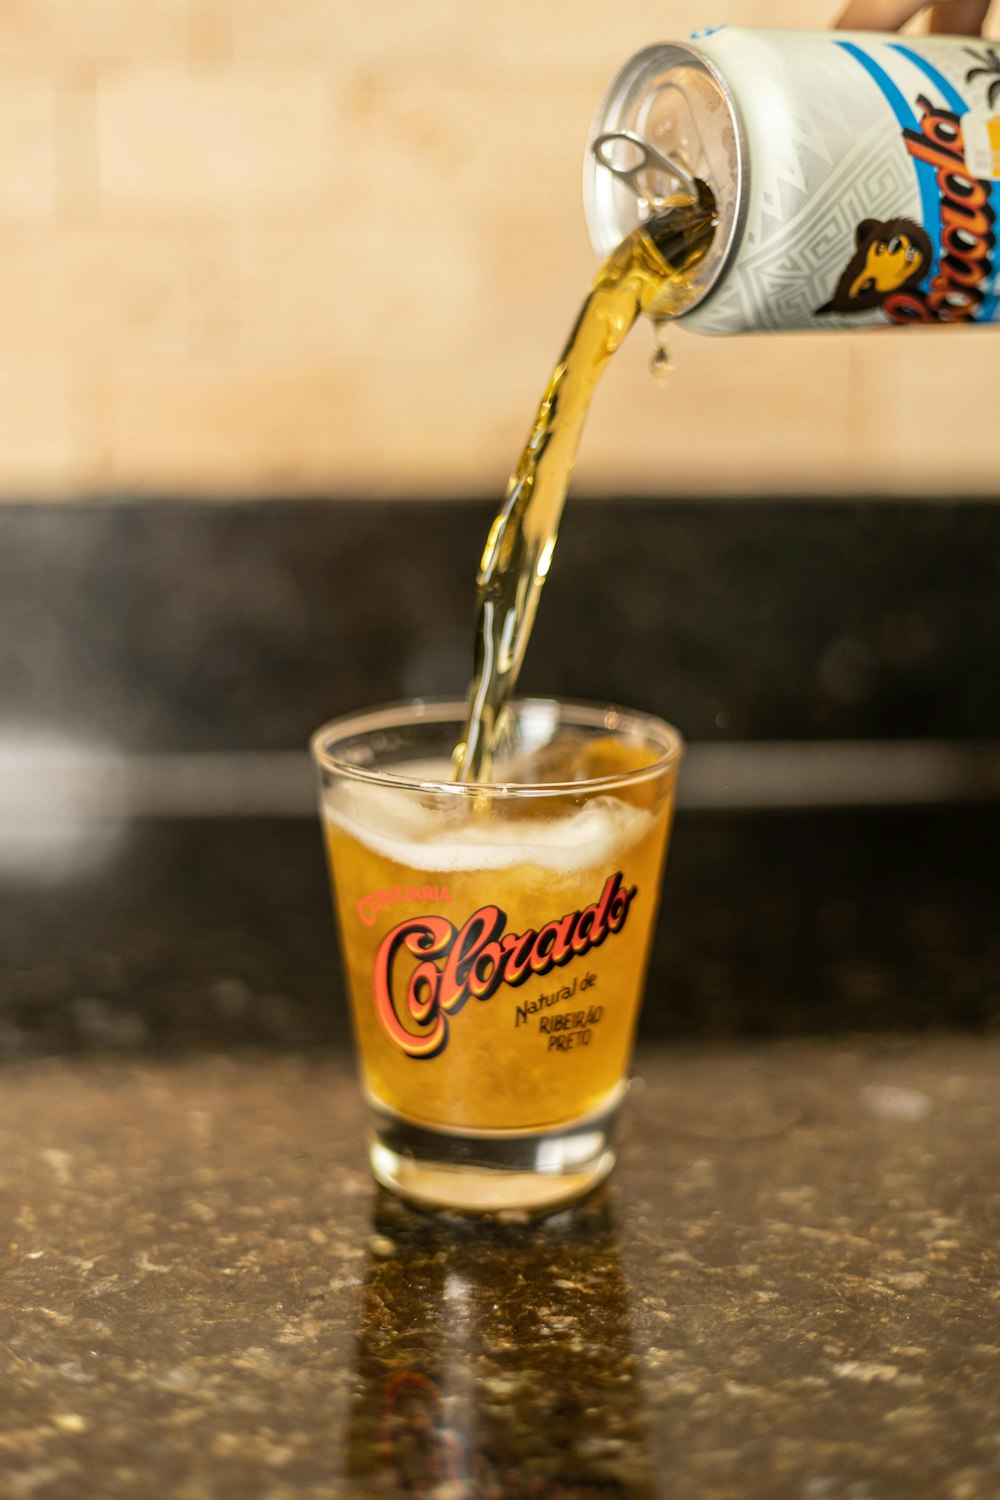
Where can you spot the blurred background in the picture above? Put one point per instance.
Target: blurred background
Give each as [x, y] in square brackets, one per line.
[281, 285]
[323, 248]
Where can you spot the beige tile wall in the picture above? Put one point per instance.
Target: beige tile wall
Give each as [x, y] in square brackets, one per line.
[271, 246]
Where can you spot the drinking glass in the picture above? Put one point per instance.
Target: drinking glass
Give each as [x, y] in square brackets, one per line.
[495, 938]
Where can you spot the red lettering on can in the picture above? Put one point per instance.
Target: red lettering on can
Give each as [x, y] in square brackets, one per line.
[957, 290]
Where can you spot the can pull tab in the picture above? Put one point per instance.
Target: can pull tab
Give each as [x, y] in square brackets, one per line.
[628, 157]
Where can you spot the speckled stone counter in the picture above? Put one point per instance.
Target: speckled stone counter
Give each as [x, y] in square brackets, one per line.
[789, 1291]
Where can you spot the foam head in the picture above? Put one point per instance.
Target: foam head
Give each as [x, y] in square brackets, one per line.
[445, 833]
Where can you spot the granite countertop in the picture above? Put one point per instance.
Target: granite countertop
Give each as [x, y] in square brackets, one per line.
[788, 1289]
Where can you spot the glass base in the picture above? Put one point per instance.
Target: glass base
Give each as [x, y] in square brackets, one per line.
[492, 1171]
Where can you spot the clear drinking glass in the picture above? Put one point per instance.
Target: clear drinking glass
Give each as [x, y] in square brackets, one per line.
[495, 939]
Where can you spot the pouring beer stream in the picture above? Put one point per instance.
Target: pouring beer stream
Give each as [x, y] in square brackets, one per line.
[649, 272]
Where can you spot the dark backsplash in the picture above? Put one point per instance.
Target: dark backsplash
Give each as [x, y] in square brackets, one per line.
[153, 629]
[218, 933]
[171, 627]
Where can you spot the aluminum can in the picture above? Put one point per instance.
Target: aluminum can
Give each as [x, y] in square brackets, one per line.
[857, 175]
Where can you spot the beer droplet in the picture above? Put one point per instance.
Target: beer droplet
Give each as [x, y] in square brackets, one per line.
[661, 364]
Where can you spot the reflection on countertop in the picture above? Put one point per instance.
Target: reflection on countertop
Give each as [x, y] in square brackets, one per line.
[497, 1357]
[787, 1292]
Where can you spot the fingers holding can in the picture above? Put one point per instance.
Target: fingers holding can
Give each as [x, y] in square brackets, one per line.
[951, 17]
[960, 17]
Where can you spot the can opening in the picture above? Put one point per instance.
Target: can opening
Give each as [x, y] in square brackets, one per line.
[670, 107]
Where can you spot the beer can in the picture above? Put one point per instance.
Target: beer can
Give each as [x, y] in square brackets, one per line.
[857, 175]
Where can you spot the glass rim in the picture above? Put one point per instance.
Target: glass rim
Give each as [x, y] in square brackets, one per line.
[442, 710]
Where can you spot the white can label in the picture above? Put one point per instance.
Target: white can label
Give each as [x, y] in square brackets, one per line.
[874, 182]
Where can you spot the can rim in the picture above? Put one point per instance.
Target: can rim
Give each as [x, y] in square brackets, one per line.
[602, 195]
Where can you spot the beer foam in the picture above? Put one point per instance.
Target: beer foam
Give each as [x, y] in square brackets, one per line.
[394, 825]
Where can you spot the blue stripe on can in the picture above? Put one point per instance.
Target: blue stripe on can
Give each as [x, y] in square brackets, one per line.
[952, 98]
[901, 106]
[988, 308]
